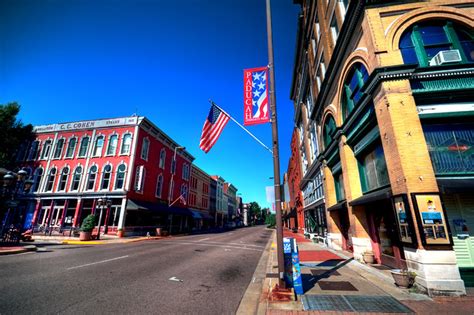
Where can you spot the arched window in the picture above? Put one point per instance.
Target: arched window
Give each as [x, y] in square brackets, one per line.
[423, 41]
[351, 91]
[37, 179]
[92, 177]
[51, 178]
[76, 178]
[329, 130]
[112, 147]
[46, 150]
[33, 153]
[162, 158]
[84, 146]
[63, 179]
[126, 143]
[184, 191]
[159, 186]
[106, 175]
[58, 150]
[71, 147]
[120, 178]
[98, 145]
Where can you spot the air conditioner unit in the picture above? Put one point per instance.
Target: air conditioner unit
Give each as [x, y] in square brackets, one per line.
[445, 56]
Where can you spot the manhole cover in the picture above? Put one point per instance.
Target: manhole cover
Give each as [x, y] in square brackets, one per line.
[336, 286]
[354, 303]
[382, 304]
[325, 273]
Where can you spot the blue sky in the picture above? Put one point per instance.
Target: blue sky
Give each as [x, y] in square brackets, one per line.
[67, 60]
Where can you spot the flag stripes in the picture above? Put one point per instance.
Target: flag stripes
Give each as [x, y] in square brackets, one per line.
[212, 128]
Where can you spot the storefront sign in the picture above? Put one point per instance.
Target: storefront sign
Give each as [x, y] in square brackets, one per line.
[432, 219]
[87, 124]
[403, 219]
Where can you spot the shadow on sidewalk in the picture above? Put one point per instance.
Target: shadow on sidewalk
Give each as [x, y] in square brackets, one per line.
[310, 279]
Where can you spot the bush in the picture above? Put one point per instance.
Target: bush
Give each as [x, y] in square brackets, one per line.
[88, 224]
[270, 220]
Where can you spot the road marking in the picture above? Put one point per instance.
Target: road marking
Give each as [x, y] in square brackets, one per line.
[213, 245]
[175, 279]
[203, 239]
[97, 262]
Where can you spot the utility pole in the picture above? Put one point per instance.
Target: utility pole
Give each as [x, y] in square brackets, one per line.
[276, 157]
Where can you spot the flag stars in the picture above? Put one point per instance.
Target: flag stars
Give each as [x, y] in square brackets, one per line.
[256, 76]
[256, 94]
[261, 86]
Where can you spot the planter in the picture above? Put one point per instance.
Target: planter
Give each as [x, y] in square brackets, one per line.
[403, 278]
[369, 258]
[120, 233]
[85, 236]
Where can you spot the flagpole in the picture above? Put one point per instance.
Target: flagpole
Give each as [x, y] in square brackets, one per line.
[276, 157]
[175, 201]
[212, 103]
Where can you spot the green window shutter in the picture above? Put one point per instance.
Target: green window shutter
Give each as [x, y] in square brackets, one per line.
[454, 40]
[419, 47]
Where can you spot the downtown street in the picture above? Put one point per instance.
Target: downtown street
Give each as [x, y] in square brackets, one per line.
[198, 274]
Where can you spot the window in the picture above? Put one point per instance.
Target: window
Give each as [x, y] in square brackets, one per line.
[92, 177]
[343, 5]
[37, 179]
[423, 41]
[162, 158]
[139, 178]
[112, 148]
[126, 144]
[304, 160]
[373, 169]
[51, 179]
[106, 175]
[173, 166]
[313, 142]
[120, 178]
[145, 148]
[334, 29]
[63, 179]
[352, 90]
[186, 171]
[159, 186]
[76, 178]
[33, 153]
[321, 72]
[318, 29]
[46, 150]
[99, 144]
[339, 185]
[329, 130]
[71, 147]
[84, 146]
[184, 191]
[170, 192]
[58, 150]
[309, 101]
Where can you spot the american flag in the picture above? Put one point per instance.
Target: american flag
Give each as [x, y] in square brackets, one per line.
[182, 199]
[212, 129]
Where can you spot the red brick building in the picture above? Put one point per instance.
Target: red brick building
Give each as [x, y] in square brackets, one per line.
[128, 161]
[294, 179]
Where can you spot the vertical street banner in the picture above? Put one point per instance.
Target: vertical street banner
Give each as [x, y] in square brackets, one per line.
[256, 96]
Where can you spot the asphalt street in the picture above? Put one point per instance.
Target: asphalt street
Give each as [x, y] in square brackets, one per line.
[197, 274]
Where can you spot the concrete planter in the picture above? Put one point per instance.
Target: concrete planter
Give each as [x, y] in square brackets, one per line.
[403, 278]
[369, 258]
[85, 236]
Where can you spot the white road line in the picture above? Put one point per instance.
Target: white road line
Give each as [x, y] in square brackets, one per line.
[97, 262]
[203, 239]
[215, 245]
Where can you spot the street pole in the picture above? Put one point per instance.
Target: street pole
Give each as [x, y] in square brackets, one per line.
[276, 157]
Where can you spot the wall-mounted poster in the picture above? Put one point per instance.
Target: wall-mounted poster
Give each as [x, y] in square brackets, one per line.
[404, 220]
[432, 220]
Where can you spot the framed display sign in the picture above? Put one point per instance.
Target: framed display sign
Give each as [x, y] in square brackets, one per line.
[404, 220]
[431, 217]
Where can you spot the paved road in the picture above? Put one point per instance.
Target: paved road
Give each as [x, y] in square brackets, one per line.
[209, 273]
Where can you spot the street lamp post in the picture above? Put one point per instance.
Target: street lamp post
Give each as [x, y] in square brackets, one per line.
[13, 189]
[103, 203]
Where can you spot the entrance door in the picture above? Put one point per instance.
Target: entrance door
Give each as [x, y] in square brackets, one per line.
[345, 225]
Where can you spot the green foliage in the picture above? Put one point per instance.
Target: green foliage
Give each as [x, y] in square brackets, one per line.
[270, 220]
[88, 224]
[13, 134]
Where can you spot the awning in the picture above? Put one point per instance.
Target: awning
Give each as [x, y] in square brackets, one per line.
[318, 203]
[156, 207]
[196, 214]
[455, 184]
[381, 194]
[338, 206]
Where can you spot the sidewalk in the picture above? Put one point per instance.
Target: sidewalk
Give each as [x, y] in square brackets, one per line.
[334, 283]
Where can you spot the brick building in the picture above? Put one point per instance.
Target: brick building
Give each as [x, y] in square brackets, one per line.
[199, 201]
[383, 101]
[294, 176]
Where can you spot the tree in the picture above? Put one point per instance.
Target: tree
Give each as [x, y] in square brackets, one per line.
[255, 212]
[13, 134]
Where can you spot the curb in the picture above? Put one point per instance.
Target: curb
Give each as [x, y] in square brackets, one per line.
[252, 297]
[18, 250]
[104, 242]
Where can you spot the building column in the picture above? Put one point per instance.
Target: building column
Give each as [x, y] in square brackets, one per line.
[35, 214]
[334, 233]
[404, 143]
[106, 223]
[66, 203]
[123, 213]
[77, 213]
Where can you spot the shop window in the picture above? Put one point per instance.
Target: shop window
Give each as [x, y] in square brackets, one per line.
[106, 175]
[37, 179]
[71, 147]
[450, 147]
[99, 144]
[76, 178]
[120, 178]
[51, 179]
[162, 158]
[329, 130]
[58, 150]
[352, 89]
[112, 147]
[63, 179]
[159, 186]
[46, 149]
[92, 177]
[423, 41]
[84, 147]
[373, 168]
[126, 144]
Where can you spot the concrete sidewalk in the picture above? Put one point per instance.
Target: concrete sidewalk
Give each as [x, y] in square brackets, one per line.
[335, 283]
